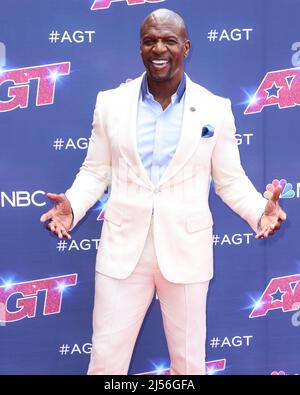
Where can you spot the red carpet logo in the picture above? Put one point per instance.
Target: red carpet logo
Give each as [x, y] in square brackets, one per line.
[18, 94]
[104, 4]
[27, 294]
[287, 189]
[281, 88]
[281, 293]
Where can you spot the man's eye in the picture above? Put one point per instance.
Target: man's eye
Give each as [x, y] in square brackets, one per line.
[171, 42]
[148, 42]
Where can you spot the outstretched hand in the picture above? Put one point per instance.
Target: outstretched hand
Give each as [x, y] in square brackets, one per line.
[272, 217]
[60, 217]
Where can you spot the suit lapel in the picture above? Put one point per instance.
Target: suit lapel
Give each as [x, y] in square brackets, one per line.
[195, 110]
[127, 131]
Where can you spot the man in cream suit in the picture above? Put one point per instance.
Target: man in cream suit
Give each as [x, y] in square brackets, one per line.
[158, 140]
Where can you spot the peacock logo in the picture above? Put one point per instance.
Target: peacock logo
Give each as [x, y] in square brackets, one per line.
[287, 189]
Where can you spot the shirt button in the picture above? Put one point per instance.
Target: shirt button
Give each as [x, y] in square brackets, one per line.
[156, 190]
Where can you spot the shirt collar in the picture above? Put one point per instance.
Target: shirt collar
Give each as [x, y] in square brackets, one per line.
[177, 96]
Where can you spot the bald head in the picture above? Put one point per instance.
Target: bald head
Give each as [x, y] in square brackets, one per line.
[163, 47]
[165, 17]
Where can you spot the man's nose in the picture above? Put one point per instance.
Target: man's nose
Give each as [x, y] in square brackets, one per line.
[159, 47]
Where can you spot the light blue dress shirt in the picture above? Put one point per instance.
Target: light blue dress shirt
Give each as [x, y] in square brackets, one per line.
[158, 130]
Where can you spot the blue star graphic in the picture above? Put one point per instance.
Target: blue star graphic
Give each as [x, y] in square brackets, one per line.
[273, 91]
[277, 295]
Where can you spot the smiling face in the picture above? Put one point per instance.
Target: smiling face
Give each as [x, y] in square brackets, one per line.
[164, 46]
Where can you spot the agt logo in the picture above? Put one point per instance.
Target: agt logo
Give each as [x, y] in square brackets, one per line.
[101, 204]
[19, 300]
[287, 189]
[2, 54]
[104, 4]
[281, 88]
[281, 293]
[17, 84]
[280, 373]
[212, 367]
[296, 55]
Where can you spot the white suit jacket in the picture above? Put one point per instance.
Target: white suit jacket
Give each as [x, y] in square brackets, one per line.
[179, 202]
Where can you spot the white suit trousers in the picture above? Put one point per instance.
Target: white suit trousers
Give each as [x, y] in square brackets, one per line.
[120, 307]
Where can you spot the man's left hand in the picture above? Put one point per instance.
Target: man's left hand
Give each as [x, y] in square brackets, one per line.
[272, 217]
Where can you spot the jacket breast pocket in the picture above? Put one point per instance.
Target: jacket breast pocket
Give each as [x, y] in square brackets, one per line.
[199, 222]
[113, 215]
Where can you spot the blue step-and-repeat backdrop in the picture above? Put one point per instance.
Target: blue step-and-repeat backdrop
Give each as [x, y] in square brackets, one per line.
[55, 55]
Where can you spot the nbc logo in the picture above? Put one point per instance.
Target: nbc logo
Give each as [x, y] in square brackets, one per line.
[287, 189]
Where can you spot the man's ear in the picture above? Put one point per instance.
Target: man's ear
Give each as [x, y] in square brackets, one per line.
[187, 46]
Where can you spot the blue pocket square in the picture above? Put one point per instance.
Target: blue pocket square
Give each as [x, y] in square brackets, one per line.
[208, 131]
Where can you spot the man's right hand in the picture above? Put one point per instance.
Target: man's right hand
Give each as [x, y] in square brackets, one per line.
[60, 217]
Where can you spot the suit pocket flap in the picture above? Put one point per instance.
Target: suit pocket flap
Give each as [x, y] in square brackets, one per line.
[113, 215]
[199, 222]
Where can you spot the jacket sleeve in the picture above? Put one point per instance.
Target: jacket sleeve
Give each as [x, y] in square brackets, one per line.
[230, 181]
[95, 173]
